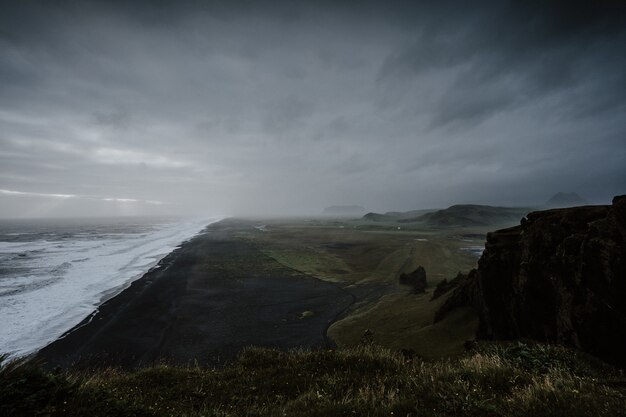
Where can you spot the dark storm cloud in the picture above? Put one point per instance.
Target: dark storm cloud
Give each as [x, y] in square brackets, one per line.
[511, 53]
[291, 106]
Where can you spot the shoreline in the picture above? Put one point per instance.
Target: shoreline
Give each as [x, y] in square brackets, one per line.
[202, 303]
[57, 276]
[114, 292]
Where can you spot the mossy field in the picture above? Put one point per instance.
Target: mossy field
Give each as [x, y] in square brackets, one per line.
[366, 380]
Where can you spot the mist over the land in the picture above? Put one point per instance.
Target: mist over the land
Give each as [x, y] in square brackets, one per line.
[151, 107]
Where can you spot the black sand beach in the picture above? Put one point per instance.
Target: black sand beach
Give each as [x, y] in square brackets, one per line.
[203, 303]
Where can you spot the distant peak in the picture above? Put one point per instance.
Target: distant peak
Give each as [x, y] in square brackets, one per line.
[562, 199]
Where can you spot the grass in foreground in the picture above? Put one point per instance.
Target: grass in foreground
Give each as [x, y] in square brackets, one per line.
[493, 380]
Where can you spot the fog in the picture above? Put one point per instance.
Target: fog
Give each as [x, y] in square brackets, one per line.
[226, 108]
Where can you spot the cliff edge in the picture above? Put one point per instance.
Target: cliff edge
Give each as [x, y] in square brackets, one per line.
[559, 277]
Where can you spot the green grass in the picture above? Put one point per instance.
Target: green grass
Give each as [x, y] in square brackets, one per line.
[367, 380]
[405, 321]
[351, 252]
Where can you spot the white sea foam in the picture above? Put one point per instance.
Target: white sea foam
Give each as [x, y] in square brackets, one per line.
[62, 281]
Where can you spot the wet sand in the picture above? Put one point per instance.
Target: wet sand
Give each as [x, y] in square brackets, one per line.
[203, 303]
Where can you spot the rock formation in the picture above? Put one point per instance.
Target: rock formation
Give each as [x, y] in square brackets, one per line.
[416, 280]
[559, 277]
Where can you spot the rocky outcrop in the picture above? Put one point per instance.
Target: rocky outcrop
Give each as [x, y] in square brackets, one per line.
[559, 277]
[416, 280]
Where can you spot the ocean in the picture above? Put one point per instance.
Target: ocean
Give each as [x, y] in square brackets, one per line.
[55, 273]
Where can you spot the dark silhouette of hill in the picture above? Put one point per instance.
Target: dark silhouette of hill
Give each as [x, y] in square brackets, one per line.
[396, 216]
[473, 215]
[377, 217]
[561, 200]
[454, 216]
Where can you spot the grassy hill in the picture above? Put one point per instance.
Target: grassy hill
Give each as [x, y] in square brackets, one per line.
[472, 215]
[491, 380]
[461, 215]
[396, 216]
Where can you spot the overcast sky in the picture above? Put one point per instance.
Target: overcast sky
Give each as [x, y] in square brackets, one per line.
[111, 108]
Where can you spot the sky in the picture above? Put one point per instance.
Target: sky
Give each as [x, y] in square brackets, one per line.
[227, 108]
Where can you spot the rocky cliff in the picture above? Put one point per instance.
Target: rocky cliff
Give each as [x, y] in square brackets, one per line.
[559, 277]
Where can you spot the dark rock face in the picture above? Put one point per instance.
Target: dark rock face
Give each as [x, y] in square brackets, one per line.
[559, 277]
[416, 280]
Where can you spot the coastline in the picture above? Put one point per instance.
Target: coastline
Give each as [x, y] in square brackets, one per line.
[54, 275]
[202, 303]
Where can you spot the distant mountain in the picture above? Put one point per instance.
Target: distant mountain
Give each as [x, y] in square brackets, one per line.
[458, 215]
[473, 215]
[395, 216]
[344, 210]
[377, 217]
[559, 200]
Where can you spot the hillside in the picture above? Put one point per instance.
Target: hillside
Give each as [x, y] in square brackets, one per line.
[559, 277]
[461, 215]
[396, 216]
